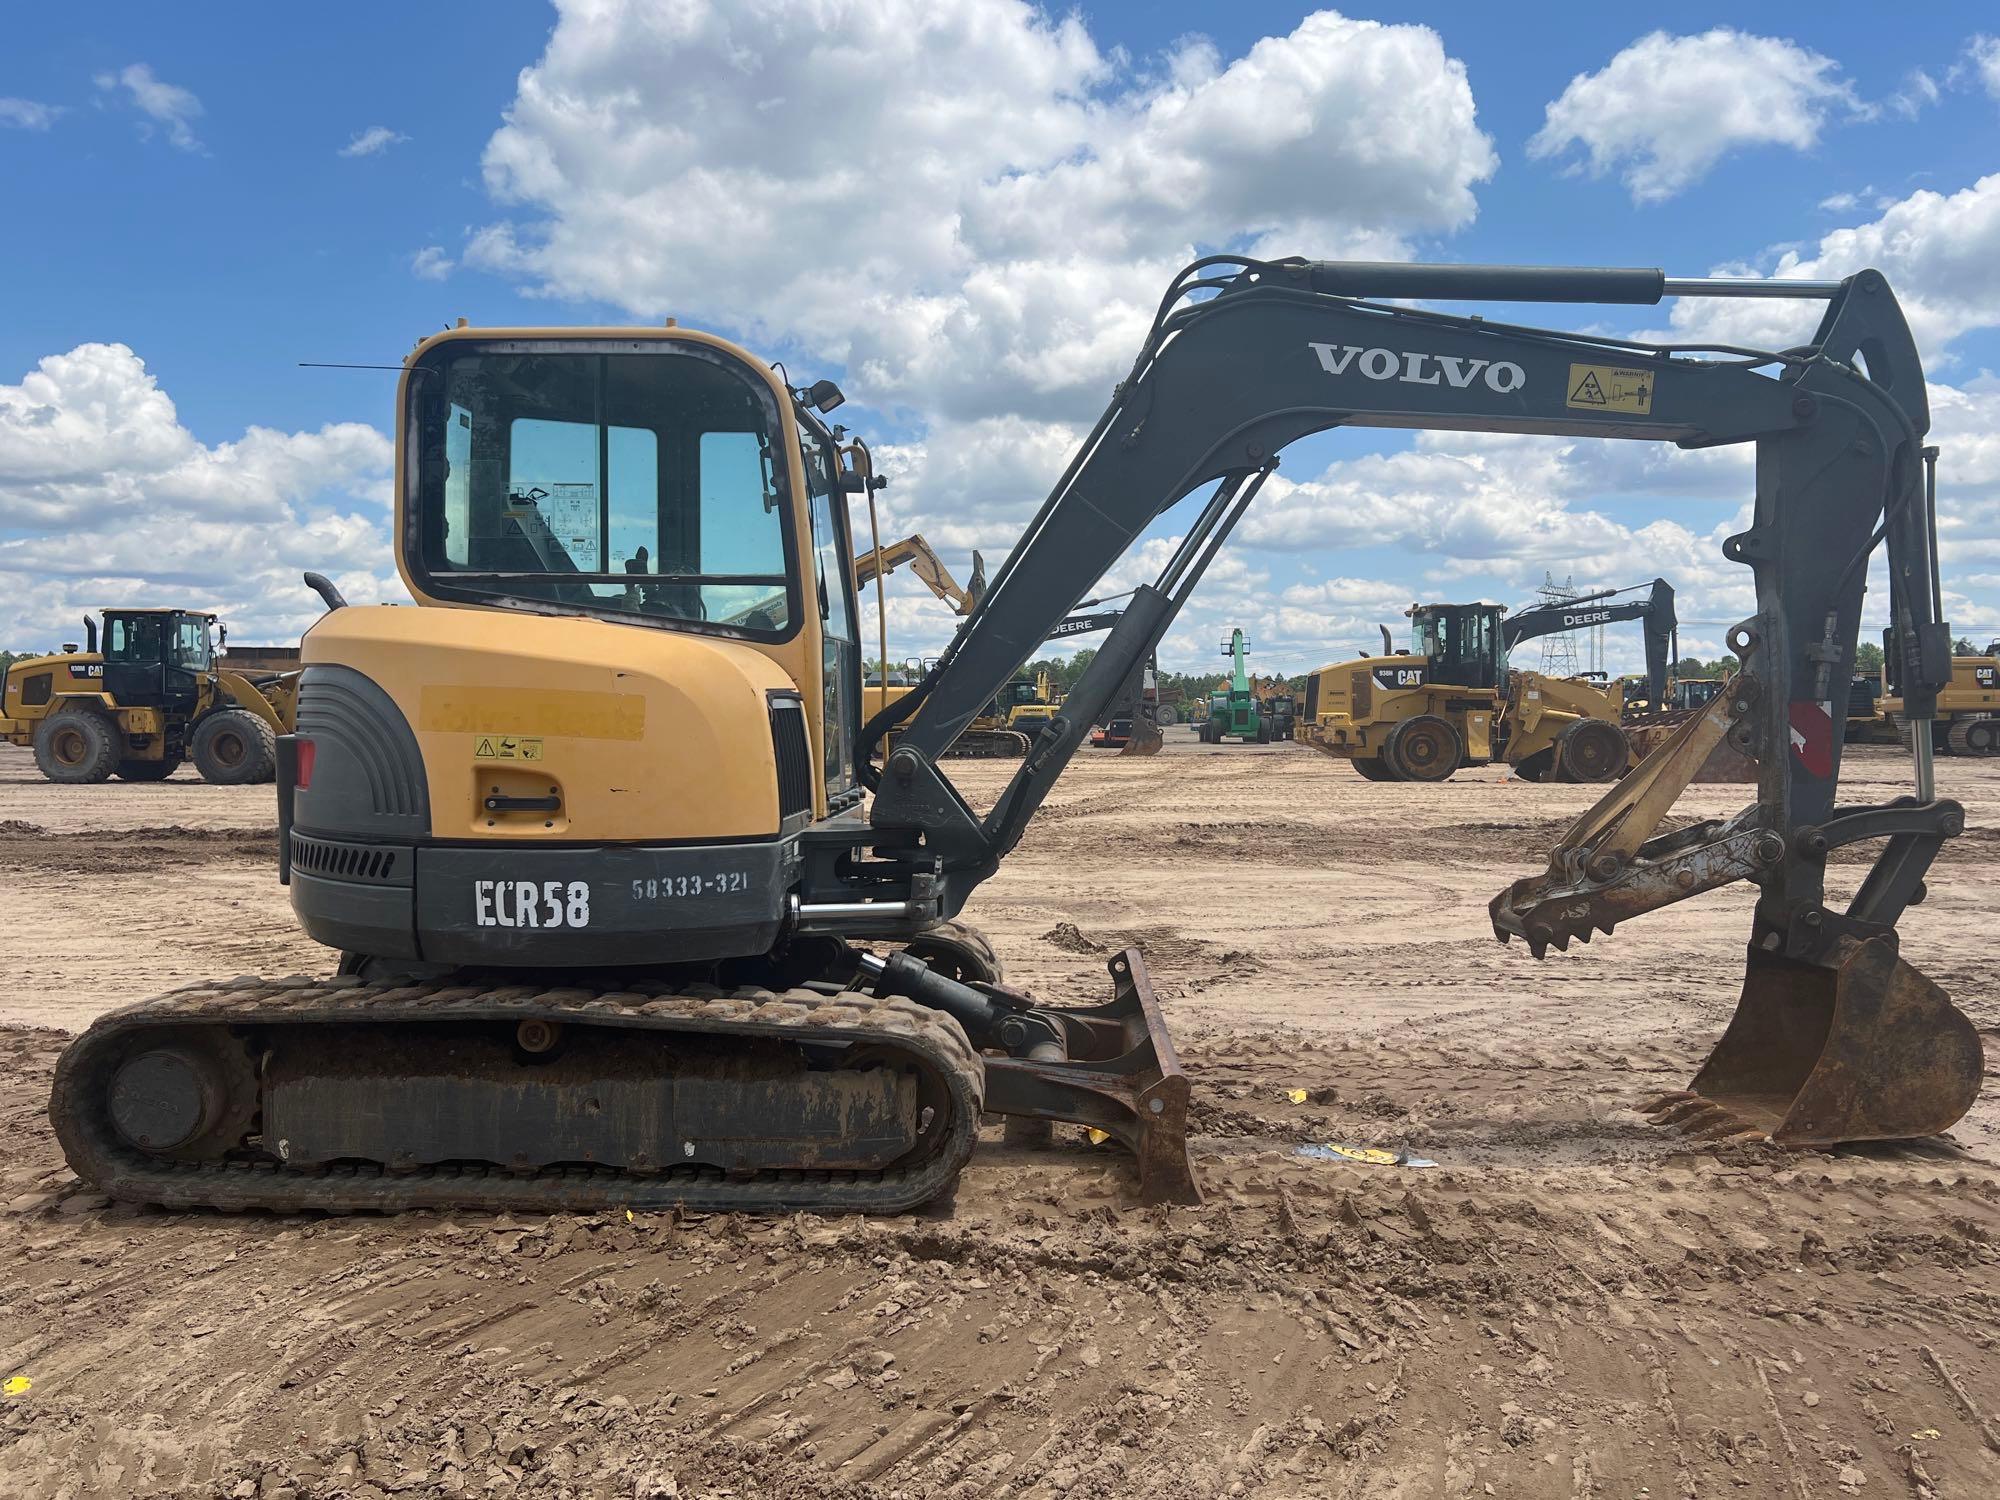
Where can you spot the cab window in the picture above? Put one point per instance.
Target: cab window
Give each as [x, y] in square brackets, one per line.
[191, 643]
[645, 485]
[134, 638]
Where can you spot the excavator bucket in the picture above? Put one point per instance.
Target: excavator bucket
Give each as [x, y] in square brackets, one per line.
[1865, 1050]
[1145, 739]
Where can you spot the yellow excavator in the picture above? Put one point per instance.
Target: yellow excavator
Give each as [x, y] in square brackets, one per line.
[874, 564]
[625, 917]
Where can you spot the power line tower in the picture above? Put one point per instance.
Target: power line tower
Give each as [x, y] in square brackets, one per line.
[1559, 647]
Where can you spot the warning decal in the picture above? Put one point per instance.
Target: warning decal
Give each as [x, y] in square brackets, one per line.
[507, 747]
[1812, 736]
[1610, 388]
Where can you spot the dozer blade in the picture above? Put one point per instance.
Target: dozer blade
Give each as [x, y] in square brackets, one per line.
[1145, 739]
[1865, 1050]
[1121, 1076]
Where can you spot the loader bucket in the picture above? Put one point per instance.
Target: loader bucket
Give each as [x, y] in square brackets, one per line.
[1725, 762]
[1866, 1049]
[1145, 739]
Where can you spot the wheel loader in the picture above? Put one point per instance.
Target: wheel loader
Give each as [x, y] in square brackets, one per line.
[619, 922]
[1419, 717]
[151, 699]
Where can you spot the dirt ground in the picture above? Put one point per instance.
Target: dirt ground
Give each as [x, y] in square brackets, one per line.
[1571, 1303]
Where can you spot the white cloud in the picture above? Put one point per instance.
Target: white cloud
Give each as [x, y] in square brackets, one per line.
[168, 106]
[987, 234]
[26, 114]
[1668, 108]
[1918, 92]
[106, 498]
[373, 141]
[431, 263]
[1982, 60]
[1940, 251]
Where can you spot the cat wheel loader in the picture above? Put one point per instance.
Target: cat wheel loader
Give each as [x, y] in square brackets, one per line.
[151, 699]
[620, 924]
[1419, 716]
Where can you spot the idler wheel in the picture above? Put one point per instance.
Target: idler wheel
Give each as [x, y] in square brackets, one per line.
[165, 1098]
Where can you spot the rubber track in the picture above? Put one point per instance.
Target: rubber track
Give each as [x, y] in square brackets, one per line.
[100, 1157]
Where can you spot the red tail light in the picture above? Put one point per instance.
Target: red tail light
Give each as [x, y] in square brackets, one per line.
[302, 777]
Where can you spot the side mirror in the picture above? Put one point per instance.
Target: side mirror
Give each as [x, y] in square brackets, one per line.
[823, 396]
[221, 635]
[853, 482]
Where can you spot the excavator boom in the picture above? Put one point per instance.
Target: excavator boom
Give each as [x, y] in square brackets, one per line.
[1246, 357]
[1655, 607]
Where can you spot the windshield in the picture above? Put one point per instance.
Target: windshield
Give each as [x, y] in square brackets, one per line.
[191, 642]
[647, 484]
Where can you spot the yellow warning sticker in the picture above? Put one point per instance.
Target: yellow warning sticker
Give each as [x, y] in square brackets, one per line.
[507, 747]
[1609, 388]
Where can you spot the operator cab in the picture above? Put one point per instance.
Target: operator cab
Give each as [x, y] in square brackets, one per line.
[158, 658]
[646, 481]
[1461, 643]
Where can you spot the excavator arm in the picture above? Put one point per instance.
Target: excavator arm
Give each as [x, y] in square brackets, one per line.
[929, 568]
[1656, 609]
[1245, 358]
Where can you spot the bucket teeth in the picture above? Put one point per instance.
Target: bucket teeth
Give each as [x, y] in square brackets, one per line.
[1704, 1119]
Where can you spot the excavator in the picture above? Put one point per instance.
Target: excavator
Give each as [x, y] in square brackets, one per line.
[874, 563]
[620, 924]
[1454, 701]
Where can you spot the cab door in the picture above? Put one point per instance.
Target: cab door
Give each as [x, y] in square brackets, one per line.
[135, 659]
[831, 578]
[190, 659]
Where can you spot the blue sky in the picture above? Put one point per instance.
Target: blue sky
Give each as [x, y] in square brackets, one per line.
[177, 186]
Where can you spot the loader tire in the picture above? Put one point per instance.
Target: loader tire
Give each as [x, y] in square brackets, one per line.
[76, 746]
[1263, 729]
[1422, 749]
[148, 770]
[234, 748]
[1372, 768]
[1592, 750]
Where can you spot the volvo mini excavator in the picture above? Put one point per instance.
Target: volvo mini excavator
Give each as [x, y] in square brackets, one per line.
[620, 924]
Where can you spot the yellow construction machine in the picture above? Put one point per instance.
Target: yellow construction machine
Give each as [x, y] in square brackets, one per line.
[153, 697]
[1454, 701]
[1968, 709]
[621, 924]
[930, 570]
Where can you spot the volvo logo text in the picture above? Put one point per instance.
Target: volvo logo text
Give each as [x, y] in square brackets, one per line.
[1501, 376]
